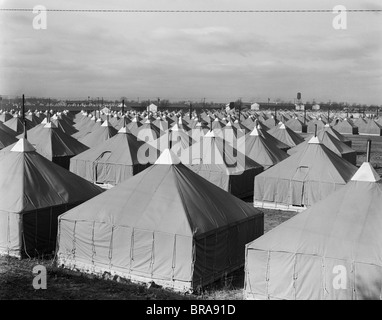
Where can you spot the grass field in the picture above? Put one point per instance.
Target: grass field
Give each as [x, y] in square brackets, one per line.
[16, 275]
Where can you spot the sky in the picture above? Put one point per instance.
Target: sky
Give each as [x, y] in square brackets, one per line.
[218, 57]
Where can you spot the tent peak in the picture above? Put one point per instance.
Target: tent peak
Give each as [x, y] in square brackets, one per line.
[366, 173]
[123, 130]
[106, 123]
[254, 132]
[210, 134]
[23, 145]
[168, 157]
[314, 140]
[50, 125]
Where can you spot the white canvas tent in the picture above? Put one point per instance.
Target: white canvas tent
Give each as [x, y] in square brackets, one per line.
[332, 251]
[165, 224]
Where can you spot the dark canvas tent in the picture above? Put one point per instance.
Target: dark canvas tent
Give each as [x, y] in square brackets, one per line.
[165, 224]
[302, 179]
[33, 192]
[114, 160]
[332, 251]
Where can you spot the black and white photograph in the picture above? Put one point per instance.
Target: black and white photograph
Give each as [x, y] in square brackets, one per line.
[192, 156]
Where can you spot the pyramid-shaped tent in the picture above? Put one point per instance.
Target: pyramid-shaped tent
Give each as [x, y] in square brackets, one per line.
[114, 160]
[16, 124]
[338, 147]
[165, 224]
[262, 151]
[6, 139]
[370, 128]
[98, 135]
[302, 179]
[332, 251]
[346, 126]
[222, 164]
[54, 144]
[296, 125]
[33, 192]
[286, 135]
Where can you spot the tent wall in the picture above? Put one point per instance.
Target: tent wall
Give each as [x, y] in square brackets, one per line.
[223, 250]
[240, 185]
[170, 260]
[10, 234]
[292, 192]
[30, 233]
[101, 172]
[351, 157]
[39, 229]
[63, 161]
[291, 276]
[132, 253]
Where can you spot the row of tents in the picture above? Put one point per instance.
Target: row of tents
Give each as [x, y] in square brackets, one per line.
[176, 220]
[228, 156]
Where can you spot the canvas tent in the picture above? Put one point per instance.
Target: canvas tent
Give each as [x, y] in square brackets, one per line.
[33, 192]
[114, 160]
[262, 151]
[286, 135]
[16, 124]
[331, 251]
[313, 124]
[6, 139]
[296, 125]
[165, 224]
[337, 135]
[338, 147]
[370, 128]
[222, 164]
[279, 144]
[302, 179]
[346, 126]
[54, 144]
[99, 134]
